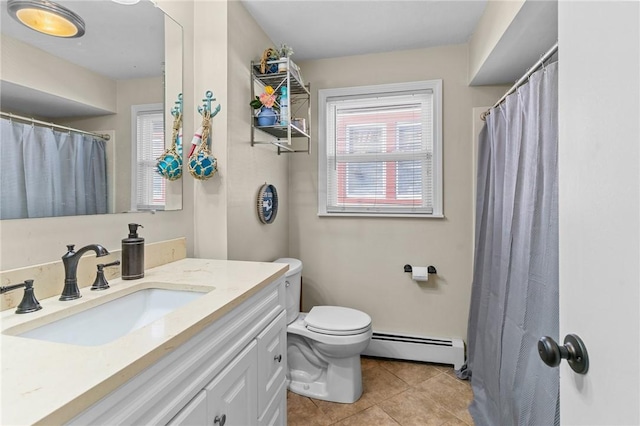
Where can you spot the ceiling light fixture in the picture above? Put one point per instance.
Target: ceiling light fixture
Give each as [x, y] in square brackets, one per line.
[46, 17]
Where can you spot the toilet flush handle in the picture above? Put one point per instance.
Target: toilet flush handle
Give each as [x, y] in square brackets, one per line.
[220, 420]
[287, 283]
[277, 358]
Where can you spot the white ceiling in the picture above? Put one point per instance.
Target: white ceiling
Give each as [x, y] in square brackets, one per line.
[532, 32]
[126, 41]
[325, 29]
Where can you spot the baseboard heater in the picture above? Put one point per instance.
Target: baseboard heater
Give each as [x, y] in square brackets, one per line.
[417, 348]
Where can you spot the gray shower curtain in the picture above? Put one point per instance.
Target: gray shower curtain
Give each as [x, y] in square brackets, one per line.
[514, 298]
[50, 173]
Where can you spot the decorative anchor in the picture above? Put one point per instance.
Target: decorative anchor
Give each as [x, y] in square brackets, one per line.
[203, 165]
[206, 105]
[177, 109]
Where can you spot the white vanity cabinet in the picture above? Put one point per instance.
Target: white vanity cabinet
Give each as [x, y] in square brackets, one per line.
[231, 373]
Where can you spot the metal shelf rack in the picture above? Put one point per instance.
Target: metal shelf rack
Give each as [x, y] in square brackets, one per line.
[299, 105]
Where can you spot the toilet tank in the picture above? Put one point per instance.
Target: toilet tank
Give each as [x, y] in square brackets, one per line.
[293, 286]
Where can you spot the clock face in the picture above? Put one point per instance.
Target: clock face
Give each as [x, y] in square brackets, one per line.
[267, 203]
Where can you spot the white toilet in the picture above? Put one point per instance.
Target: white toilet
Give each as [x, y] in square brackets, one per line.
[323, 346]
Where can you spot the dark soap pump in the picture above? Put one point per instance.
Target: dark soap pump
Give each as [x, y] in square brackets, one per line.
[133, 254]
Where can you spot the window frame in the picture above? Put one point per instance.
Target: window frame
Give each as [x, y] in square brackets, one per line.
[325, 96]
[136, 110]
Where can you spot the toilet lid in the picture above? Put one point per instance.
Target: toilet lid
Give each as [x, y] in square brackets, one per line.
[337, 321]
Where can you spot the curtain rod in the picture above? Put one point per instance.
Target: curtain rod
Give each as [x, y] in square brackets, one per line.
[523, 79]
[52, 125]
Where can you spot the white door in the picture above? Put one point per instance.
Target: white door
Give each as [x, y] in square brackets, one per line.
[599, 175]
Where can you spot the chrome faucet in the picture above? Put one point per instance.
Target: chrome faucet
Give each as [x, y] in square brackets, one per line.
[70, 261]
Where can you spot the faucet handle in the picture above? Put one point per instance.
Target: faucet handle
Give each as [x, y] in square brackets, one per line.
[70, 247]
[100, 282]
[29, 302]
[105, 265]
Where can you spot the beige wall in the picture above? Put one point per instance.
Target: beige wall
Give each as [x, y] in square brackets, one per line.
[226, 224]
[358, 262]
[27, 242]
[250, 167]
[21, 65]
[210, 73]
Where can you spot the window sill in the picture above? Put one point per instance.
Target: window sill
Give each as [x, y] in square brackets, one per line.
[384, 215]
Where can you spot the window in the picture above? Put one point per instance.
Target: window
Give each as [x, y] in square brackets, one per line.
[380, 150]
[147, 140]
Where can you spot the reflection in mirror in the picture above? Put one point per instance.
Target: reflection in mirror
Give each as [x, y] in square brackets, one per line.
[119, 79]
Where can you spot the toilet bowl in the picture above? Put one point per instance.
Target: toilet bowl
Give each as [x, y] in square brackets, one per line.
[324, 345]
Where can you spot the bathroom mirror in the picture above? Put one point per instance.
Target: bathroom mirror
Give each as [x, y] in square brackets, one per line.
[121, 79]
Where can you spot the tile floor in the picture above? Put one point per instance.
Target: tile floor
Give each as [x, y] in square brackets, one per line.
[395, 393]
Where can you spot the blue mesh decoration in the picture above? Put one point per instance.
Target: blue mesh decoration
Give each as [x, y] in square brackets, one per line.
[203, 165]
[170, 162]
[170, 166]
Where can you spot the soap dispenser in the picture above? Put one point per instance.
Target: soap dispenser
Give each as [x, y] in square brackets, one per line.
[133, 254]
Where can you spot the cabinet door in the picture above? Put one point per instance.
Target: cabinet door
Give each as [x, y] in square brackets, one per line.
[276, 412]
[272, 360]
[193, 414]
[231, 395]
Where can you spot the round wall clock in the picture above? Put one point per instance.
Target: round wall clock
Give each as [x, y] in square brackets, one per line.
[267, 203]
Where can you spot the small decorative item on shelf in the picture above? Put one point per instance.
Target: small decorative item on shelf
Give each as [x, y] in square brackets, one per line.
[269, 54]
[267, 117]
[284, 106]
[284, 52]
[266, 102]
[203, 165]
[170, 162]
[300, 124]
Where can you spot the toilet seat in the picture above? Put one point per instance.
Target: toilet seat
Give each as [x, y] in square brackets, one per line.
[337, 321]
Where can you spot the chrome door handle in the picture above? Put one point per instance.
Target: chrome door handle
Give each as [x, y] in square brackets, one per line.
[573, 350]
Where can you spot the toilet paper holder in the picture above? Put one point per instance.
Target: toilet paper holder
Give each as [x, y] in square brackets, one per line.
[430, 269]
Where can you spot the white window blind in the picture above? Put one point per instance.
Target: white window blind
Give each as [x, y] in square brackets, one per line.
[379, 151]
[150, 186]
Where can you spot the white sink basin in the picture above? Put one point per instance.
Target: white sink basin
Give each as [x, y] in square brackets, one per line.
[116, 318]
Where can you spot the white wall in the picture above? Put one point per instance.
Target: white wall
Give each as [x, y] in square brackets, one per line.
[495, 21]
[358, 262]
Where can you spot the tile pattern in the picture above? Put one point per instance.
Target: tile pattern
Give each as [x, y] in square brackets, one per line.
[394, 393]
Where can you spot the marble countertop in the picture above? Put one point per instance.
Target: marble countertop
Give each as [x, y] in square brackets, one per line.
[50, 383]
